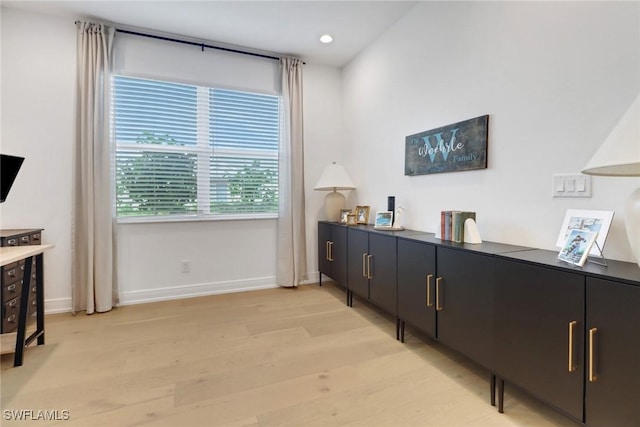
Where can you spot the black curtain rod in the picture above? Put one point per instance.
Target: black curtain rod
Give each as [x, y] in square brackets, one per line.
[201, 45]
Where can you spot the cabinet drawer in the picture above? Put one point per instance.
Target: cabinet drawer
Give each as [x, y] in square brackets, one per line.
[25, 240]
[10, 315]
[10, 241]
[35, 239]
[11, 290]
[22, 264]
[12, 272]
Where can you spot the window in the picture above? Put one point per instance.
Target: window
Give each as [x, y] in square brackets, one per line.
[185, 150]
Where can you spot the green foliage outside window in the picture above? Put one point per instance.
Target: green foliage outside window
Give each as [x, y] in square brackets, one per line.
[165, 182]
[156, 182]
[252, 188]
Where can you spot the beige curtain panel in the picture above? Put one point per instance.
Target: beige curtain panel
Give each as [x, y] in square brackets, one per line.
[291, 246]
[94, 285]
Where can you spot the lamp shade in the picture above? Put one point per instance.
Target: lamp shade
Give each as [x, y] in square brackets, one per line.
[334, 178]
[619, 154]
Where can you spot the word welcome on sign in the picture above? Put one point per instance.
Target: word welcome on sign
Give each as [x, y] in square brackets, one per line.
[452, 148]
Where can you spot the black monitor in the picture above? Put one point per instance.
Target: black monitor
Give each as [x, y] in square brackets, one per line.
[9, 166]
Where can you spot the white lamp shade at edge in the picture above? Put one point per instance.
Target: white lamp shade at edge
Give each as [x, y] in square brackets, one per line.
[619, 154]
[334, 177]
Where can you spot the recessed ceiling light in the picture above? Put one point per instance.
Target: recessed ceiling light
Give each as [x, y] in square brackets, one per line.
[326, 38]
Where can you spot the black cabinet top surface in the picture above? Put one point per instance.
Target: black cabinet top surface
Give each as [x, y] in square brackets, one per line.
[615, 270]
[369, 228]
[489, 248]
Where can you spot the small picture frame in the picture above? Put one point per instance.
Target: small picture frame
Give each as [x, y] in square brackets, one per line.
[384, 219]
[362, 214]
[351, 219]
[575, 249]
[343, 215]
[598, 221]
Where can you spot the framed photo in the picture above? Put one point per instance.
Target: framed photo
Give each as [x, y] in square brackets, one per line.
[384, 219]
[362, 214]
[575, 249]
[351, 219]
[598, 221]
[343, 215]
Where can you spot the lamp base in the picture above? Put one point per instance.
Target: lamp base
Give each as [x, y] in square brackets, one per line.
[632, 219]
[333, 202]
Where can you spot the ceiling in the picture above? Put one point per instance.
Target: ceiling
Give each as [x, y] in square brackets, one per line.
[279, 27]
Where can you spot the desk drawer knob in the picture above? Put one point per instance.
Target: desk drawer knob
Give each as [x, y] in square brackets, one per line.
[11, 319]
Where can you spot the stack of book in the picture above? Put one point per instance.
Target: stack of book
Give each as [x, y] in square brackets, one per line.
[452, 224]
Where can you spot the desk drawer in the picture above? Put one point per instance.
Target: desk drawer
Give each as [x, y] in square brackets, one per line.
[35, 238]
[10, 312]
[12, 272]
[10, 241]
[11, 290]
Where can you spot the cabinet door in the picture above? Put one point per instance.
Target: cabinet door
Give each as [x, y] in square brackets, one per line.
[357, 252]
[534, 310]
[613, 388]
[383, 267]
[339, 254]
[417, 261]
[465, 303]
[324, 239]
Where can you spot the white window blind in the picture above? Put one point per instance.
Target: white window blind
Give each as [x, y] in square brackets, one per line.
[185, 150]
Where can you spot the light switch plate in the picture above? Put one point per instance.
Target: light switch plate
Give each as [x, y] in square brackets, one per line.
[571, 185]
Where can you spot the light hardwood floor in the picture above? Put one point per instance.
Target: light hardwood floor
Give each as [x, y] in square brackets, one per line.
[278, 357]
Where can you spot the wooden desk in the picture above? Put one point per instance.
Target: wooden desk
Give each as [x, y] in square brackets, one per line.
[11, 254]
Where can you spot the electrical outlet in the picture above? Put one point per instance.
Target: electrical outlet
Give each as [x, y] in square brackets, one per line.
[186, 265]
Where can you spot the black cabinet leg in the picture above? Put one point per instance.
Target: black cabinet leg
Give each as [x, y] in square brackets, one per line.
[493, 389]
[397, 329]
[40, 297]
[320, 278]
[501, 396]
[22, 314]
[402, 331]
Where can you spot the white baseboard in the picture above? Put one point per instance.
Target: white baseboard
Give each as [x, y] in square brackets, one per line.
[57, 305]
[197, 290]
[63, 305]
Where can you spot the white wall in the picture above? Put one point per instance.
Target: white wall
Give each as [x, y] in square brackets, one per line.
[38, 96]
[554, 78]
[323, 144]
[37, 121]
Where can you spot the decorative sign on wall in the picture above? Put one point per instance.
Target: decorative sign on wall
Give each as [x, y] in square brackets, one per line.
[452, 148]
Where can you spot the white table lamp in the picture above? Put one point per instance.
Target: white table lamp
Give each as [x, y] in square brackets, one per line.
[334, 178]
[619, 155]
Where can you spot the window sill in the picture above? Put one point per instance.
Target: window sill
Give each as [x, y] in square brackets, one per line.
[193, 218]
